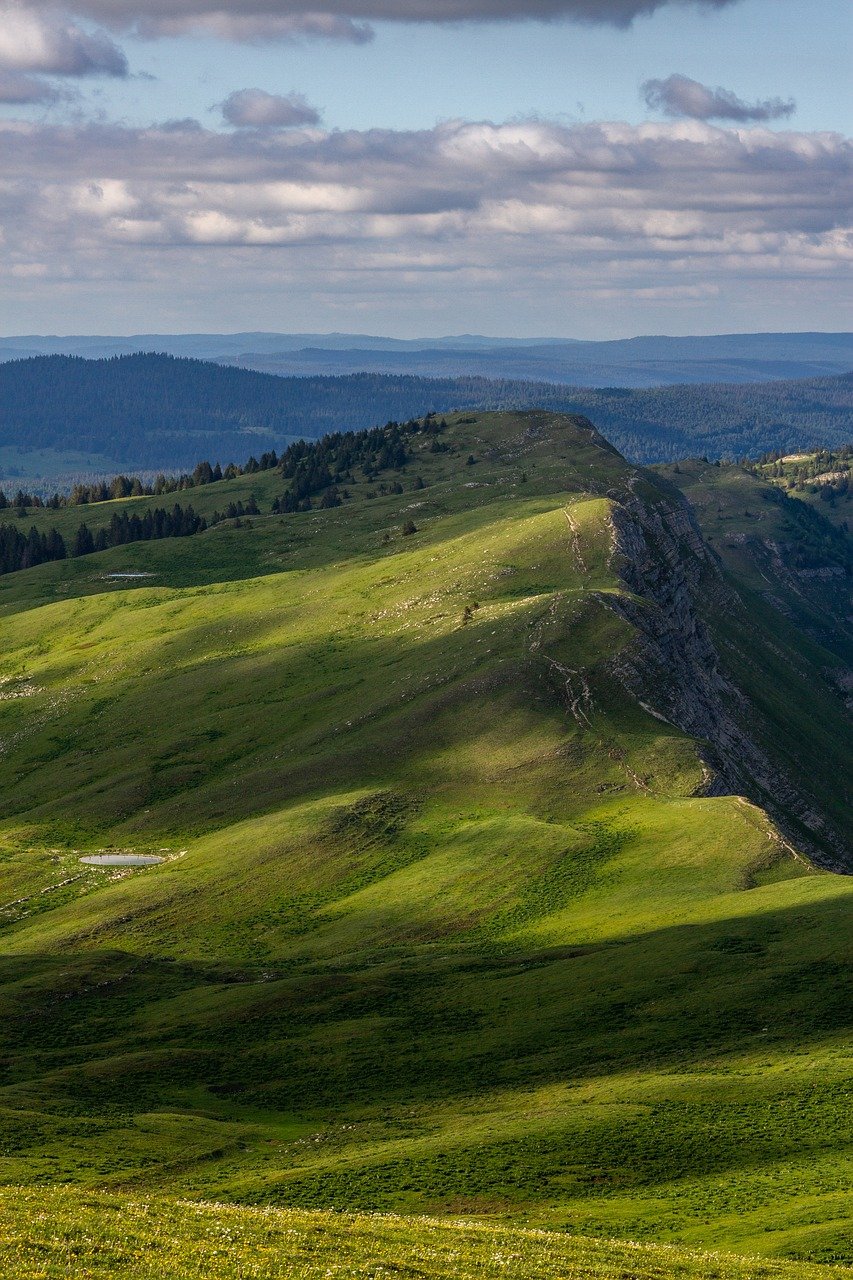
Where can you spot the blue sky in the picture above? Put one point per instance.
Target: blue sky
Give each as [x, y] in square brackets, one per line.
[412, 75]
[507, 177]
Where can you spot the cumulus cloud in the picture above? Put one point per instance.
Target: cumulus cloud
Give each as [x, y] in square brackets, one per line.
[512, 212]
[681, 97]
[257, 20]
[53, 45]
[256, 109]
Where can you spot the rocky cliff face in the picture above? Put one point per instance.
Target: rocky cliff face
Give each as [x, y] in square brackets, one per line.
[674, 669]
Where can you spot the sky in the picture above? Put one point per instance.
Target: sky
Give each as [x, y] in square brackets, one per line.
[577, 168]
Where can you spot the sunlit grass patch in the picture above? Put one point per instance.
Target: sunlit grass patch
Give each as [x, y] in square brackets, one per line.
[50, 1235]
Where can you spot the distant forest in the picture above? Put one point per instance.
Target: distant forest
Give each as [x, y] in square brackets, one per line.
[158, 412]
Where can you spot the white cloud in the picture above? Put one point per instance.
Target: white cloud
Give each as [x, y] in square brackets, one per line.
[523, 214]
[257, 109]
[52, 45]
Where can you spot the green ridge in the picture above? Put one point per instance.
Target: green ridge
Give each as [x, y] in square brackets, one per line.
[447, 922]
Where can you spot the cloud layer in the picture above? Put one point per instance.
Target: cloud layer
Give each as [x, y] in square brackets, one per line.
[255, 28]
[683, 98]
[525, 214]
[256, 109]
[261, 20]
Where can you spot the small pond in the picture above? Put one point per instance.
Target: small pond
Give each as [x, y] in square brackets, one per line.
[121, 859]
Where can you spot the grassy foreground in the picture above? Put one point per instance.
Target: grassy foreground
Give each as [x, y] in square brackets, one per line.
[53, 1235]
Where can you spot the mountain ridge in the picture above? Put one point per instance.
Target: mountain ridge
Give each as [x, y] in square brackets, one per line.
[451, 915]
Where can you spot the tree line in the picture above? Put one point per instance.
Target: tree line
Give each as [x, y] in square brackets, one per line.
[22, 551]
[824, 472]
[122, 486]
[322, 468]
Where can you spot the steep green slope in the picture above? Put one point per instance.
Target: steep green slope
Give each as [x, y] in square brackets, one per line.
[467, 904]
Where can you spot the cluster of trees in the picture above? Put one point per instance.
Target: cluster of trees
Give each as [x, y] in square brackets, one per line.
[180, 522]
[315, 469]
[22, 551]
[321, 467]
[825, 472]
[123, 486]
[21, 501]
[235, 511]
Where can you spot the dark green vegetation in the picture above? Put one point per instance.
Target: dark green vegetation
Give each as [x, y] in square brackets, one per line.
[496, 855]
[20, 551]
[721, 420]
[819, 478]
[154, 412]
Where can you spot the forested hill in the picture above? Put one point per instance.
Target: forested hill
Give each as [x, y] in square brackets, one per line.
[154, 411]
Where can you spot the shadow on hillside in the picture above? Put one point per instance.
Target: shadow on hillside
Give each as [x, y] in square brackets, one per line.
[103, 1029]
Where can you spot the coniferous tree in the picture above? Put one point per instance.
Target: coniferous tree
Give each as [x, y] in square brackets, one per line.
[84, 543]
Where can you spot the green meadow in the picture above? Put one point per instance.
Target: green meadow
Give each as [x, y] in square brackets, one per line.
[102, 1235]
[449, 925]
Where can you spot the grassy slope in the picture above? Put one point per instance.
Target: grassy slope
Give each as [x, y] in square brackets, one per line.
[424, 942]
[110, 1236]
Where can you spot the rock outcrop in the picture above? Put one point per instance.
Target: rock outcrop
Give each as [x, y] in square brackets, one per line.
[674, 670]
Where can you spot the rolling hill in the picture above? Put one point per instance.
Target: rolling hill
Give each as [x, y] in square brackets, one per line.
[63, 418]
[502, 815]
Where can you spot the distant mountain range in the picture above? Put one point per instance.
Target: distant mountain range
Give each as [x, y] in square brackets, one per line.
[217, 346]
[631, 362]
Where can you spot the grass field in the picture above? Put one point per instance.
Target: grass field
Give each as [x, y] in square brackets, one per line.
[447, 922]
[92, 1236]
